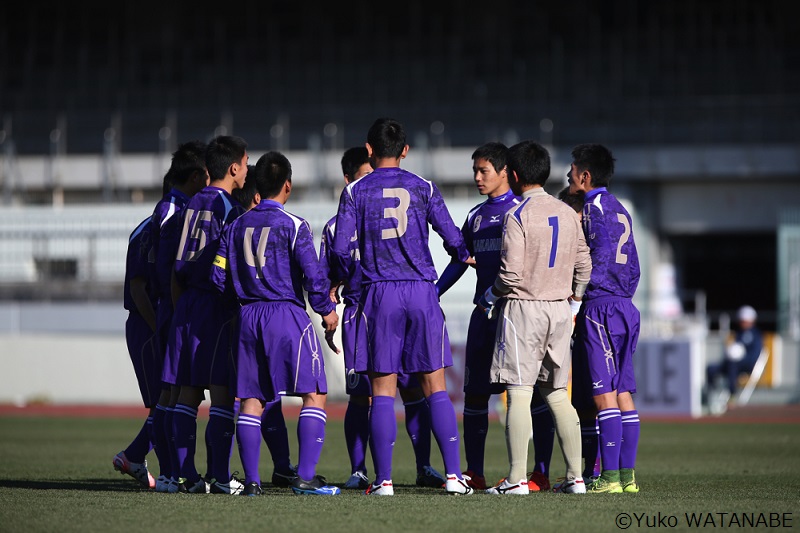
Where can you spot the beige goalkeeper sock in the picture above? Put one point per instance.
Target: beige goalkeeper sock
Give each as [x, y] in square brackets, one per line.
[518, 430]
[568, 428]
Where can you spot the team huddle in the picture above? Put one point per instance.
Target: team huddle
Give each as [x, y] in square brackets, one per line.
[220, 277]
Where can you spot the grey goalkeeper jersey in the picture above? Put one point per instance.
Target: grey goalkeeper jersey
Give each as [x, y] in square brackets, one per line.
[544, 254]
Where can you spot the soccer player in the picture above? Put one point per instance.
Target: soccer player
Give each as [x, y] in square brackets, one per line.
[544, 261]
[355, 164]
[267, 256]
[273, 424]
[198, 350]
[139, 299]
[607, 326]
[389, 212]
[186, 176]
[482, 233]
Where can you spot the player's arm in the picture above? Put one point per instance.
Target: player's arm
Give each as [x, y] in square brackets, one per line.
[341, 262]
[138, 288]
[442, 223]
[325, 262]
[453, 271]
[582, 272]
[602, 247]
[220, 268]
[512, 262]
[315, 282]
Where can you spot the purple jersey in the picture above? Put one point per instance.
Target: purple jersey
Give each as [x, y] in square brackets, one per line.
[609, 233]
[166, 208]
[137, 264]
[483, 234]
[268, 254]
[352, 290]
[390, 209]
[204, 217]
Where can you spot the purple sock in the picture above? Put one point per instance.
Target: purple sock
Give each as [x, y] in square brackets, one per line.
[589, 447]
[248, 435]
[356, 434]
[184, 423]
[543, 435]
[598, 463]
[310, 437]
[169, 430]
[630, 439]
[445, 429]
[140, 446]
[476, 426]
[418, 426]
[160, 441]
[382, 435]
[610, 437]
[276, 436]
[220, 430]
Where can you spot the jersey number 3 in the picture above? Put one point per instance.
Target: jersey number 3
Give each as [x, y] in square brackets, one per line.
[399, 213]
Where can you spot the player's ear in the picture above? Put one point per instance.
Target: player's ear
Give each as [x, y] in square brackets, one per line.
[369, 150]
[405, 152]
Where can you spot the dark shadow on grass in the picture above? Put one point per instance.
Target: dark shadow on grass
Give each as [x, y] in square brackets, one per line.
[100, 484]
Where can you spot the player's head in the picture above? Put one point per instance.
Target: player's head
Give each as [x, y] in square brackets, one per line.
[188, 161]
[490, 169]
[167, 184]
[530, 161]
[227, 155]
[355, 163]
[592, 164]
[248, 196]
[273, 173]
[572, 199]
[387, 139]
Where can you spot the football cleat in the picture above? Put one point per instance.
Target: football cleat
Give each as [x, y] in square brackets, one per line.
[234, 486]
[538, 482]
[316, 486]
[357, 481]
[198, 487]
[384, 488]
[474, 480]
[166, 484]
[572, 486]
[627, 479]
[137, 471]
[504, 487]
[458, 486]
[600, 485]
[252, 489]
[428, 477]
[284, 479]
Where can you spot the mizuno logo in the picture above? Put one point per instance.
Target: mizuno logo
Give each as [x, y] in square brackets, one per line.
[597, 384]
[453, 439]
[495, 218]
[611, 444]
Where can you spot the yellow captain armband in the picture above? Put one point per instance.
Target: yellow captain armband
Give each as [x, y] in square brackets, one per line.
[221, 262]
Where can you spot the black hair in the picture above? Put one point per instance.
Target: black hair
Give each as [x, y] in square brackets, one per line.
[597, 159]
[189, 158]
[493, 152]
[387, 138]
[531, 161]
[222, 152]
[353, 159]
[574, 200]
[247, 193]
[272, 171]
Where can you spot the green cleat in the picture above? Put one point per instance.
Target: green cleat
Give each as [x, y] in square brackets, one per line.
[601, 485]
[628, 480]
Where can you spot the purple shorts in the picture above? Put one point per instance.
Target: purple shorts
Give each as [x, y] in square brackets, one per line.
[357, 384]
[198, 346]
[478, 358]
[145, 356]
[606, 334]
[278, 353]
[403, 327]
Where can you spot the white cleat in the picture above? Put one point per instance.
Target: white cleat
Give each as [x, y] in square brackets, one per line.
[457, 485]
[384, 488]
[504, 487]
[571, 486]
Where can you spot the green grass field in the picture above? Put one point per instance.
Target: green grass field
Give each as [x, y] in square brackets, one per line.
[56, 475]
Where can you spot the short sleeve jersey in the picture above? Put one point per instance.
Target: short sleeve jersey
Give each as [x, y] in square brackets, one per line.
[608, 229]
[137, 264]
[483, 234]
[203, 220]
[269, 255]
[352, 290]
[390, 210]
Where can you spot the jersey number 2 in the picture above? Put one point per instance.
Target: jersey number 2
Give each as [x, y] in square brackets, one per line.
[622, 259]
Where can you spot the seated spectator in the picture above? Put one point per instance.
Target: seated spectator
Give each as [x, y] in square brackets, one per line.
[740, 355]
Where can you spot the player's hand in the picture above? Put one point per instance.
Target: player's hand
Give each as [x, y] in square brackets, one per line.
[330, 343]
[471, 262]
[334, 294]
[487, 301]
[330, 321]
[575, 306]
